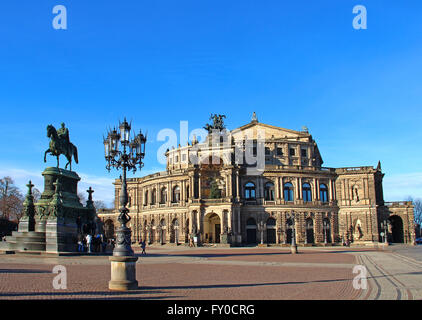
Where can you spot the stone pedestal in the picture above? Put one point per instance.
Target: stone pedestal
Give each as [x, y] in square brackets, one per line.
[123, 273]
[51, 224]
[26, 224]
[60, 236]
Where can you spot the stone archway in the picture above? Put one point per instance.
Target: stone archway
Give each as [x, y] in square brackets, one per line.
[271, 230]
[251, 231]
[187, 231]
[109, 229]
[212, 228]
[289, 231]
[174, 235]
[152, 231]
[162, 231]
[326, 228]
[397, 231]
[310, 231]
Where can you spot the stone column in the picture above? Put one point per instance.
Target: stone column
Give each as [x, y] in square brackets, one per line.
[199, 186]
[299, 184]
[315, 196]
[281, 189]
[237, 186]
[231, 183]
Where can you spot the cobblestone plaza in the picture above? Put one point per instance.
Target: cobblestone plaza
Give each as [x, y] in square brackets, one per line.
[224, 274]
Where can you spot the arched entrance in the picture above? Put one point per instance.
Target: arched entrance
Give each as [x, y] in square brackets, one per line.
[251, 231]
[109, 229]
[396, 229]
[187, 231]
[326, 227]
[152, 232]
[289, 228]
[310, 230]
[162, 231]
[212, 228]
[174, 235]
[144, 230]
[271, 237]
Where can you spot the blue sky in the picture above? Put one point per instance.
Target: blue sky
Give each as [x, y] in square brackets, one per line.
[295, 63]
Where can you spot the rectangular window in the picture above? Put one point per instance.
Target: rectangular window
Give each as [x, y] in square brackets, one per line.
[177, 159]
[303, 153]
[292, 151]
[279, 151]
[267, 151]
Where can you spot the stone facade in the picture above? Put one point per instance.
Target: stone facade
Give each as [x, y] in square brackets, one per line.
[255, 203]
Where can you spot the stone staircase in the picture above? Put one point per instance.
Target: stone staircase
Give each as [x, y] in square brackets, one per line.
[24, 242]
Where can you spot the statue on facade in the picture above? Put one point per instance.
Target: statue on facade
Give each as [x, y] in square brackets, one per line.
[60, 145]
[218, 123]
[215, 192]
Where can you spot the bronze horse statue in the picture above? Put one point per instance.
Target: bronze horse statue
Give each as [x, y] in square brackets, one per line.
[59, 145]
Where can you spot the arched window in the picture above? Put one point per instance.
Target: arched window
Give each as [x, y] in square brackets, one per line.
[288, 191]
[306, 192]
[249, 191]
[323, 192]
[154, 196]
[146, 198]
[269, 191]
[176, 194]
[163, 196]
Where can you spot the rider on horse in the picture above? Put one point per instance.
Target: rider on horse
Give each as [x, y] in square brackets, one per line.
[63, 134]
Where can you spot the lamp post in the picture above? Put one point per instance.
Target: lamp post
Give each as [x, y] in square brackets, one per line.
[123, 152]
[261, 229]
[325, 226]
[293, 247]
[384, 225]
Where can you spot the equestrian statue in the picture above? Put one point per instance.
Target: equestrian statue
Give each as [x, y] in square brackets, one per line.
[60, 144]
[218, 123]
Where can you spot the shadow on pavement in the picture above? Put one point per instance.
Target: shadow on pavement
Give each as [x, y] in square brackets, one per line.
[23, 271]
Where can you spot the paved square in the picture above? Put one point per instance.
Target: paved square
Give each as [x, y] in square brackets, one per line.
[222, 274]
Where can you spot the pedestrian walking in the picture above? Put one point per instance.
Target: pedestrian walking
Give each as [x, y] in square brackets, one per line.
[80, 243]
[88, 242]
[143, 245]
[103, 243]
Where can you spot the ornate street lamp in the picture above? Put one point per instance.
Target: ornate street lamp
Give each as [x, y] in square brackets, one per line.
[261, 229]
[325, 227]
[384, 225]
[293, 248]
[122, 152]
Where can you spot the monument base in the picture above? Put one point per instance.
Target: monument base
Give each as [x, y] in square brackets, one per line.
[123, 273]
[60, 237]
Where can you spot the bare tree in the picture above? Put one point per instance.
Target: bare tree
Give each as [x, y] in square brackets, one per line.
[99, 204]
[36, 194]
[82, 197]
[11, 199]
[417, 211]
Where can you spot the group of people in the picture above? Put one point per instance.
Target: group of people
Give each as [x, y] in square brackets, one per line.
[90, 240]
[95, 243]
